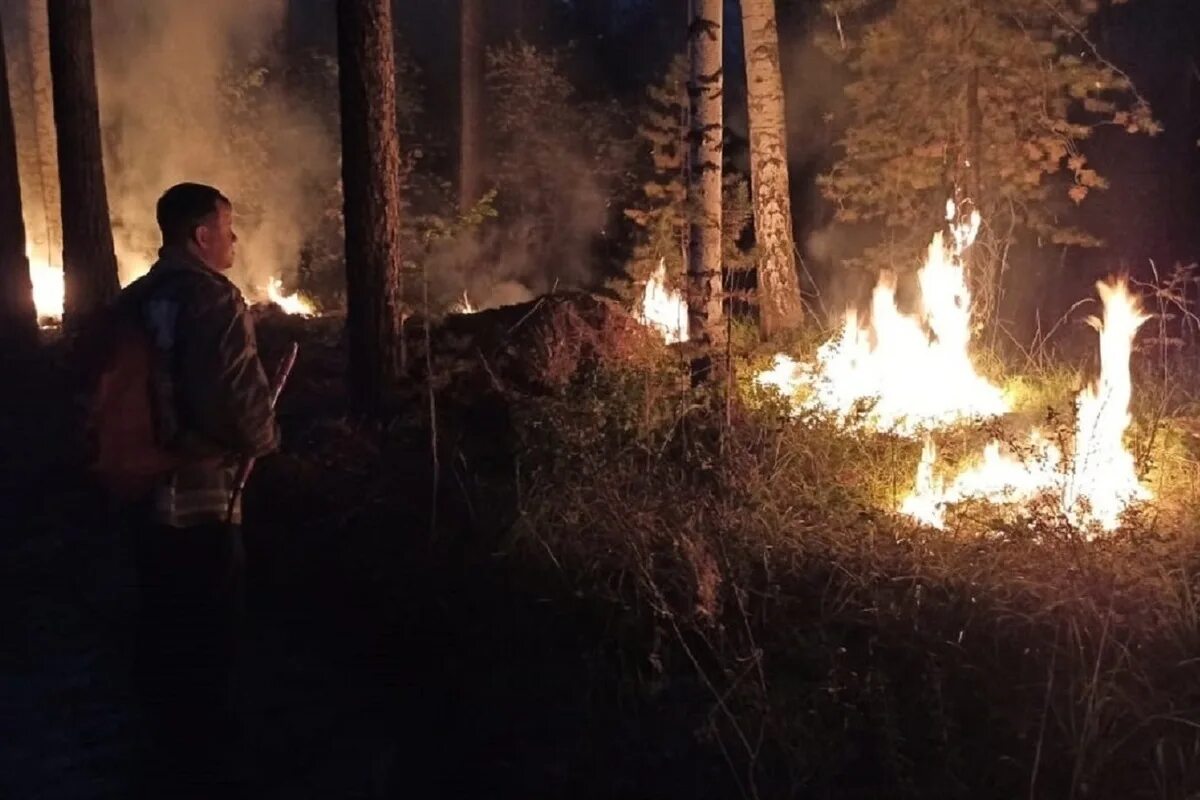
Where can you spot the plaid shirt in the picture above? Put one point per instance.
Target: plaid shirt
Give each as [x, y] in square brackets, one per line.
[212, 397]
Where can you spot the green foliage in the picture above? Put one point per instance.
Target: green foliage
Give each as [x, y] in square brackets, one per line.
[1042, 90]
[549, 148]
[660, 209]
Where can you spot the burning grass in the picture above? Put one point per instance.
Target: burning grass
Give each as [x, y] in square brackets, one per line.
[840, 650]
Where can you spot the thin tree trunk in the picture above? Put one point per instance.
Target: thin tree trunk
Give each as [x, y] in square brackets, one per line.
[89, 261]
[974, 187]
[471, 100]
[45, 227]
[780, 306]
[18, 319]
[706, 318]
[370, 171]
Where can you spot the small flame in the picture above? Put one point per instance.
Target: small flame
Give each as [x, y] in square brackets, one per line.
[915, 367]
[296, 304]
[47, 288]
[664, 308]
[464, 305]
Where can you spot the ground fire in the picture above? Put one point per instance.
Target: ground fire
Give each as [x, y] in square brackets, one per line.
[663, 308]
[888, 369]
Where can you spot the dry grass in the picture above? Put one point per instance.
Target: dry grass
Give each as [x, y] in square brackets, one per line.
[843, 652]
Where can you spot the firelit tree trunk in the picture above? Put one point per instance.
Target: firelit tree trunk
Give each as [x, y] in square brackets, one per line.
[370, 171]
[18, 319]
[45, 223]
[706, 318]
[89, 262]
[974, 171]
[470, 103]
[779, 299]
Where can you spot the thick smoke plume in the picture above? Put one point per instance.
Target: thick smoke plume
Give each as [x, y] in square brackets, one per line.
[192, 92]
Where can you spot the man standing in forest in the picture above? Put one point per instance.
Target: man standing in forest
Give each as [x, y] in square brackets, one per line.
[212, 407]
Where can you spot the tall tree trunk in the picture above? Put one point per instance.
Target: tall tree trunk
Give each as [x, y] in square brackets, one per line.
[779, 299]
[45, 228]
[89, 261]
[371, 194]
[706, 318]
[470, 103]
[18, 319]
[974, 187]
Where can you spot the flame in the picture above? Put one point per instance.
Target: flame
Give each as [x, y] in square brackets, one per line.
[47, 288]
[1098, 483]
[295, 303]
[1104, 480]
[915, 367]
[664, 308]
[463, 305]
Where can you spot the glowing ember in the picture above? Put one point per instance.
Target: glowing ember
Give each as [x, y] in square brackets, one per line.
[296, 303]
[47, 288]
[663, 308]
[464, 305]
[916, 369]
[1098, 483]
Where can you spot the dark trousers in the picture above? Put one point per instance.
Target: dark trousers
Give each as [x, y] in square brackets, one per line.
[192, 608]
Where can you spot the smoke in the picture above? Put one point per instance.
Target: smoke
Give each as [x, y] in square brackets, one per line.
[194, 92]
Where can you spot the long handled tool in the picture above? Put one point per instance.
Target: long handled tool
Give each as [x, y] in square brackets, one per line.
[281, 376]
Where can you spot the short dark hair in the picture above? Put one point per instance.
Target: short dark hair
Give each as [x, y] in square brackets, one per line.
[185, 207]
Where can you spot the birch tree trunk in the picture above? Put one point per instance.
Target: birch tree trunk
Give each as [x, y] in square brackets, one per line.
[18, 319]
[89, 261]
[780, 307]
[371, 195]
[470, 103]
[706, 318]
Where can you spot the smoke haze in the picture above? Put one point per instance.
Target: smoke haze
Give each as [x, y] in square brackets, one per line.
[188, 93]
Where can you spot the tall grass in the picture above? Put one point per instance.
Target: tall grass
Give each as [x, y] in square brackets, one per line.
[838, 651]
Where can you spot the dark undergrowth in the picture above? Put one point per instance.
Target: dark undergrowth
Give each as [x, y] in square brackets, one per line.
[621, 587]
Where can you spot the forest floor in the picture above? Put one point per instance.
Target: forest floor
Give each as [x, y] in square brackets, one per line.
[602, 589]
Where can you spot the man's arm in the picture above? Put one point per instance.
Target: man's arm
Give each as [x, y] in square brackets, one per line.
[225, 376]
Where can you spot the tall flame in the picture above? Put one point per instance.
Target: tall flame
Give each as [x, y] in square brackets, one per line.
[1098, 483]
[915, 367]
[663, 308]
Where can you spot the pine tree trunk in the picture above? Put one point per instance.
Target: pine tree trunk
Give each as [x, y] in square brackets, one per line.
[370, 171]
[470, 107]
[780, 306]
[46, 226]
[18, 319]
[706, 318]
[89, 261]
[20, 92]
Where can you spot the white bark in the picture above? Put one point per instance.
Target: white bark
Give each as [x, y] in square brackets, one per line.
[705, 293]
[780, 306]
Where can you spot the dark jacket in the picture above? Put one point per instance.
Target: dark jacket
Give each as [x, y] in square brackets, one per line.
[212, 397]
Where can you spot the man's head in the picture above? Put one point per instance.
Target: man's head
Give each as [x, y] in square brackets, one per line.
[199, 219]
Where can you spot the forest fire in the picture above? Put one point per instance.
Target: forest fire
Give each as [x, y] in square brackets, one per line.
[911, 374]
[463, 305]
[663, 308]
[1099, 481]
[47, 289]
[894, 360]
[295, 304]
